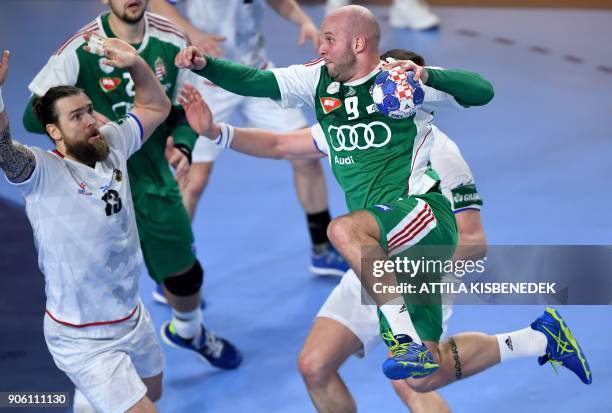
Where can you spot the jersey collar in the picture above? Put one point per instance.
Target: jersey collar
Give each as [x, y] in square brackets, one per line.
[106, 30]
[362, 80]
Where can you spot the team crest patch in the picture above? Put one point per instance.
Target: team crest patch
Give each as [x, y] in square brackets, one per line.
[83, 189]
[108, 84]
[118, 175]
[383, 207]
[160, 68]
[329, 104]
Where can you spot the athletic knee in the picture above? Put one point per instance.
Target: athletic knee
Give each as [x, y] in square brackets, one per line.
[186, 284]
[313, 367]
[341, 231]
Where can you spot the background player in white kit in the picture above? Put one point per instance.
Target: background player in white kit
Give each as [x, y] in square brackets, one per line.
[79, 204]
[232, 28]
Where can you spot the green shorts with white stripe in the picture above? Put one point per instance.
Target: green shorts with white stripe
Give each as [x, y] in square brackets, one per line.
[419, 228]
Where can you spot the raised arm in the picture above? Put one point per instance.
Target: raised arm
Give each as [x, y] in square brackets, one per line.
[291, 11]
[256, 142]
[151, 105]
[16, 160]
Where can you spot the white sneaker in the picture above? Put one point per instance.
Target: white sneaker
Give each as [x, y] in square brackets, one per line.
[334, 4]
[412, 14]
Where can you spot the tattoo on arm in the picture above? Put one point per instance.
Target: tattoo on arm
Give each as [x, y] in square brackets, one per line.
[16, 160]
[453, 349]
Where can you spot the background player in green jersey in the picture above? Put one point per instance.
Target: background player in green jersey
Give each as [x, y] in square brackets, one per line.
[381, 164]
[163, 223]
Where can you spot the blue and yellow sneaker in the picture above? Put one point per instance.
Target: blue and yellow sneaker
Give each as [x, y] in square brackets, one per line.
[327, 261]
[217, 351]
[160, 298]
[562, 348]
[408, 359]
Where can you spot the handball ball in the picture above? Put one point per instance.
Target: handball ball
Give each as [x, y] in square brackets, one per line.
[397, 95]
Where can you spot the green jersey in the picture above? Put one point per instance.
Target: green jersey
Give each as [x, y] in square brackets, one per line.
[111, 91]
[376, 159]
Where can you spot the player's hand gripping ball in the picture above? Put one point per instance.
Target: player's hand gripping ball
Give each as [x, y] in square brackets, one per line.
[397, 95]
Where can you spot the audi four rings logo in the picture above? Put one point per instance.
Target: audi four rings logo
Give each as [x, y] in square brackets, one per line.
[359, 136]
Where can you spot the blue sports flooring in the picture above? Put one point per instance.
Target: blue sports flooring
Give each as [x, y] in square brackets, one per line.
[540, 153]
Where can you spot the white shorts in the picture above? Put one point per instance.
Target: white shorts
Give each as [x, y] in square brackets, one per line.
[260, 113]
[106, 363]
[345, 305]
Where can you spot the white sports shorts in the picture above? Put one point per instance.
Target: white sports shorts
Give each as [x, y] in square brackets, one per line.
[107, 362]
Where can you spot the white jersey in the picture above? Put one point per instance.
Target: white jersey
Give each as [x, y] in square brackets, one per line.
[239, 21]
[85, 230]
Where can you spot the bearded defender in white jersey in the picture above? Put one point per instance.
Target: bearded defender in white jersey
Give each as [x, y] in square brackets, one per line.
[233, 29]
[79, 203]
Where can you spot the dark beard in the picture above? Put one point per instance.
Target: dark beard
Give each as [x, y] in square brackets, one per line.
[88, 153]
[129, 19]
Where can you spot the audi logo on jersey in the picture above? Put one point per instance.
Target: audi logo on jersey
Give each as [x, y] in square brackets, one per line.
[359, 136]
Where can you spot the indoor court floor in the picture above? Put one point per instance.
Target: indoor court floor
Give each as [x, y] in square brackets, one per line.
[540, 153]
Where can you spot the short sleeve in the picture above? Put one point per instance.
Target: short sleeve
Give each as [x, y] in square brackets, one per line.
[319, 139]
[124, 135]
[298, 83]
[42, 175]
[61, 69]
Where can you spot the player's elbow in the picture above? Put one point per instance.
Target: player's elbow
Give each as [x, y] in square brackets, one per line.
[165, 107]
[485, 92]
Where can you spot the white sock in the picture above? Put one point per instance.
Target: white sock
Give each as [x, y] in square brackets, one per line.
[399, 319]
[188, 324]
[81, 404]
[522, 343]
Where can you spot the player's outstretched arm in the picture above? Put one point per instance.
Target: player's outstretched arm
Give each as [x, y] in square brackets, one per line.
[151, 105]
[233, 77]
[16, 160]
[256, 142]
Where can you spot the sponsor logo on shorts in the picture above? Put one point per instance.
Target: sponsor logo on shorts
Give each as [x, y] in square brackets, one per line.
[360, 136]
[108, 84]
[385, 208]
[330, 104]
